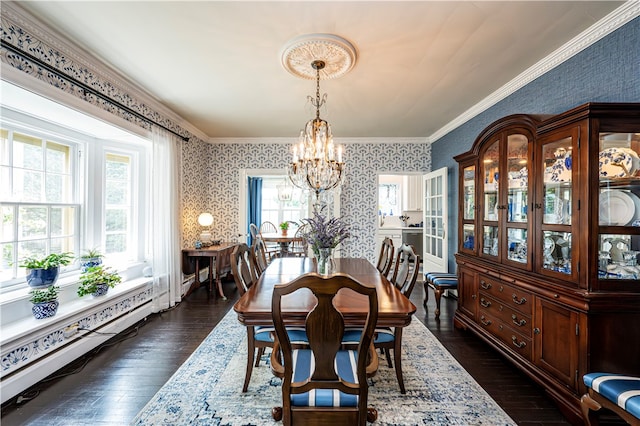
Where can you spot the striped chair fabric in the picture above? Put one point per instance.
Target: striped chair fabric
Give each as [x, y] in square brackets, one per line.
[621, 390]
[346, 363]
[440, 282]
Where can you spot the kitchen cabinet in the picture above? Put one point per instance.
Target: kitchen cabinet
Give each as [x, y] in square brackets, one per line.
[394, 233]
[413, 195]
[548, 244]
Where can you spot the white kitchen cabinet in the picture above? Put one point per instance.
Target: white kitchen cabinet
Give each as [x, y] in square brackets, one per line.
[413, 193]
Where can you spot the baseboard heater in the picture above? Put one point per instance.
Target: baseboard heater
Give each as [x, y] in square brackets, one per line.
[36, 355]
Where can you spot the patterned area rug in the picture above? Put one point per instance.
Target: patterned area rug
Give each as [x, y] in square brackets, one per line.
[206, 389]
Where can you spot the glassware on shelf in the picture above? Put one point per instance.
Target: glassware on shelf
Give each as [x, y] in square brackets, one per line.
[490, 240]
[557, 251]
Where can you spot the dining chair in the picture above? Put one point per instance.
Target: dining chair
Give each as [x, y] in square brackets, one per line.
[385, 259]
[254, 231]
[405, 275]
[324, 383]
[243, 269]
[299, 246]
[269, 228]
[260, 255]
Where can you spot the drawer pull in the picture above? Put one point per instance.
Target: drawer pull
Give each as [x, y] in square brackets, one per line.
[485, 303]
[501, 289]
[520, 323]
[536, 330]
[518, 302]
[517, 344]
[474, 296]
[485, 285]
[485, 321]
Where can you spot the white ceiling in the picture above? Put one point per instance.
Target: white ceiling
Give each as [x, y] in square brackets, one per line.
[420, 64]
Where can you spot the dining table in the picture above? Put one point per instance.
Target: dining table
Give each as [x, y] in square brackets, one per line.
[254, 307]
[283, 240]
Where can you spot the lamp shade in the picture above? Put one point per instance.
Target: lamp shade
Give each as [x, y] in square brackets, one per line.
[205, 219]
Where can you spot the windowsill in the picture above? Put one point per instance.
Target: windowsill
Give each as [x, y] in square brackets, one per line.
[28, 325]
[16, 318]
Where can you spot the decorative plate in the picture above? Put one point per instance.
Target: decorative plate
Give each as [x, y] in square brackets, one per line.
[618, 162]
[560, 170]
[617, 208]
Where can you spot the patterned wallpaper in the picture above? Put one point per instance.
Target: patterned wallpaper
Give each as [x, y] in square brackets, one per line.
[365, 159]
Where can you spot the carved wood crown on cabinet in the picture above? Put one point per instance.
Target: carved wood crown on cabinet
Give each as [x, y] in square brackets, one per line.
[548, 244]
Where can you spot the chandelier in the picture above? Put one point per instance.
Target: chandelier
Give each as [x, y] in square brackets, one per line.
[316, 163]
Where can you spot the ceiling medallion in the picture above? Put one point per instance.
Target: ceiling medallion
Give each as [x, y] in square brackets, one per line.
[338, 55]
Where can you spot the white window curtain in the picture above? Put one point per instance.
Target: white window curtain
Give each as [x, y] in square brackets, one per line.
[164, 233]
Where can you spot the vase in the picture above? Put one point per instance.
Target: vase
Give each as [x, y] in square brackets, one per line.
[325, 261]
[89, 262]
[42, 310]
[40, 278]
[101, 290]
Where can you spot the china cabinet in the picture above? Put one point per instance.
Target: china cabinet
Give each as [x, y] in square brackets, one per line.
[548, 244]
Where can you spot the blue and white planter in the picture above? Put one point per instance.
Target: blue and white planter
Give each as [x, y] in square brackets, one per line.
[43, 310]
[101, 290]
[86, 263]
[40, 278]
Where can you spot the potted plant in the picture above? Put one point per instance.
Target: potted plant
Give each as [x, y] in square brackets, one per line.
[89, 258]
[97, 280]
[43, 272]
[284, 226]
[45, 301]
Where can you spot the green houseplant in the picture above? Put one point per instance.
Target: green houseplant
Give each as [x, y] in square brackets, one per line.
[284, 226]
[45, 301]
[97, 280]
[43, 272]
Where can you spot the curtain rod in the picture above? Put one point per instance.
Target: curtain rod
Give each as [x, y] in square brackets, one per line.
[86, 88]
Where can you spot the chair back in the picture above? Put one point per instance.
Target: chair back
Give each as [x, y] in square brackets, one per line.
[385, 259]
[300, 247]
[259, 253]
[254, 231]
[268, 228]
[406, 270]
[325, 328]
[242, 268]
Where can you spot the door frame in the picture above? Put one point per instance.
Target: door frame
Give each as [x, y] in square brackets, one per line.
[432, 263]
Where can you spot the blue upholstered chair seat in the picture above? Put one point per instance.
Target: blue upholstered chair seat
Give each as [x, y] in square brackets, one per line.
[431, 276]
[381, 335]
[624, 391]
[346, 362]
[445, 282]
[297, 335]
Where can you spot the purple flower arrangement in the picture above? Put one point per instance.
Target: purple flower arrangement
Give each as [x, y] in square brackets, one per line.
[324, 233]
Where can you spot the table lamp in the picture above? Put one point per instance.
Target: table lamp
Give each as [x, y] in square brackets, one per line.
[205, 220]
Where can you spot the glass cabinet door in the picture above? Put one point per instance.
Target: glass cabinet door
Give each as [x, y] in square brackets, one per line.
[490, 175]
[557, 197]
[468, 207]
[619, 206]
[517, 212]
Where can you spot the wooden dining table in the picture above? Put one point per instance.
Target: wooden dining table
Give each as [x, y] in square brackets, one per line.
[254, 307]
[283, 240]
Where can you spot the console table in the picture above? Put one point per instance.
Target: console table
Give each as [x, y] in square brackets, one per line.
[219, 264]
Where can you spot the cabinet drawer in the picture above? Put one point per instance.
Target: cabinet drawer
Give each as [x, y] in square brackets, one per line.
[515, 318]
[513, 339]
[512, 296]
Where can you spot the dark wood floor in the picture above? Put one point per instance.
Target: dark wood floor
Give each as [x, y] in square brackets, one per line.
[112, 385]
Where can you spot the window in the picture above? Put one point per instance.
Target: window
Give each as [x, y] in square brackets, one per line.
[39, 209]
[389, 199]
[276, 211]
[63, 191]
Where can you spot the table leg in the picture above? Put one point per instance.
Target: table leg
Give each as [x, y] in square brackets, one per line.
[218, 280]
[196, 280]
[210, 275]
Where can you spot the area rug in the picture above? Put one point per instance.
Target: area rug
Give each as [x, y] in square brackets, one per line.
[206, 389]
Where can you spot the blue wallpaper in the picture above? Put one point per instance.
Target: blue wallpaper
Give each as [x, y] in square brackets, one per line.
[607, 71]
[359, 199]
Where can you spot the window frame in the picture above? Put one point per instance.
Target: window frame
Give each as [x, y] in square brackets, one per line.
[88, 188]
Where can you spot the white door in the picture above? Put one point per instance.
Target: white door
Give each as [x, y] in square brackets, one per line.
[436, 254]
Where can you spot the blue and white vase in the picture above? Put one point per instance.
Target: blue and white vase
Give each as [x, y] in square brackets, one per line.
[43, 310]
[101, 290]
[89, 262]
[40, 278]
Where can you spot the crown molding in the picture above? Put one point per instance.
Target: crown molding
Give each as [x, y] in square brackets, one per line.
[616, 19]
[120, 86]
[292, 140]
